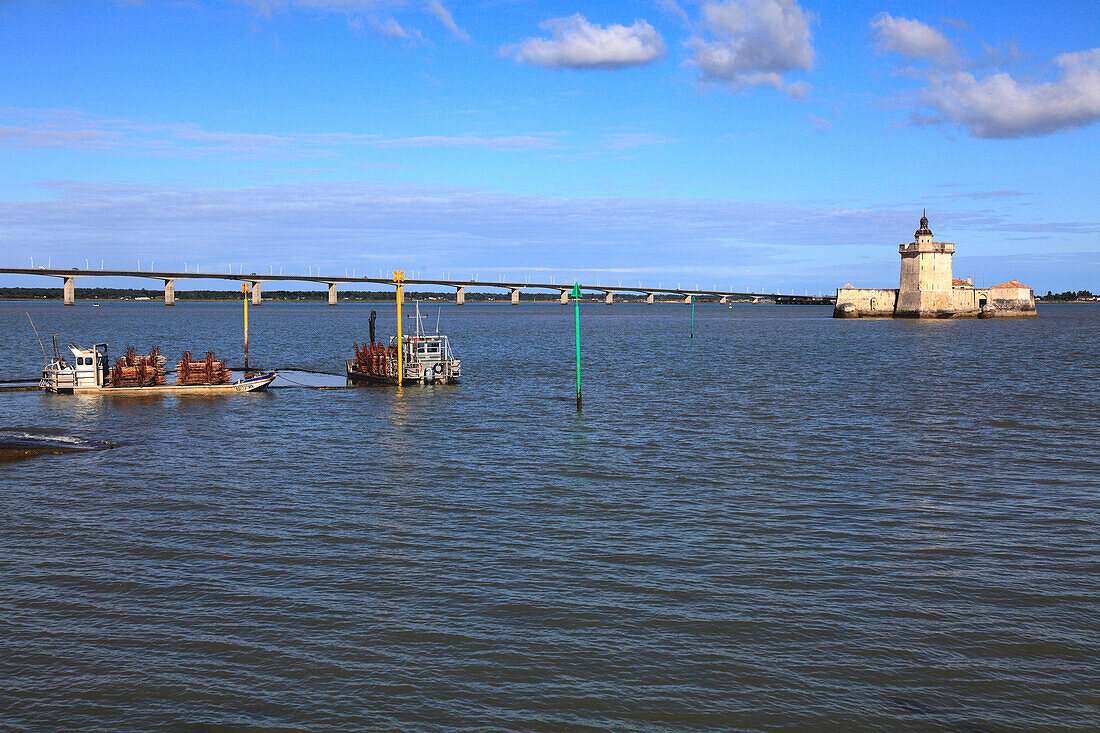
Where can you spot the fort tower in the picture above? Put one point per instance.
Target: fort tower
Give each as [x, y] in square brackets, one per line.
[925, 290]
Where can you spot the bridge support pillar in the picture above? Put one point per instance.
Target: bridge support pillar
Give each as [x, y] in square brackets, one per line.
[332, 293]
[649, 298]
[256, 298]
[70, 291]
[609, 298]
[460, 296]
[725, 299]
[687, 299]
[515, 296]
[565, 297]
[169, 292]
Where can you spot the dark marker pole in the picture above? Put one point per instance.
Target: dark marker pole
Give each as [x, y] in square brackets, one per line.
[576, 295]
[692, 316]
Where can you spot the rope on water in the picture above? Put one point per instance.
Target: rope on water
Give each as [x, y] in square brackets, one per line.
[312, 386]
[288, 368]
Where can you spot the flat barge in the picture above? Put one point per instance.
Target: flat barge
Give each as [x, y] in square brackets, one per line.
[90, 373]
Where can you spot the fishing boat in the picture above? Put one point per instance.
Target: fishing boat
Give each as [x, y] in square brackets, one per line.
[426, 358]
[91, 373]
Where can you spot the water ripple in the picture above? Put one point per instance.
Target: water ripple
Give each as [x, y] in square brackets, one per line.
[787, 522]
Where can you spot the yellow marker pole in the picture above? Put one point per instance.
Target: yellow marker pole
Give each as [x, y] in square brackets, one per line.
[398, 279]
[246, 290]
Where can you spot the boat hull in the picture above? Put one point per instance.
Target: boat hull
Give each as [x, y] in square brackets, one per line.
[253, 384]
[357, 377]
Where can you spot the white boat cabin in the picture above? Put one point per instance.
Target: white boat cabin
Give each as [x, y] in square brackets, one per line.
[88, 370]
[428, 358]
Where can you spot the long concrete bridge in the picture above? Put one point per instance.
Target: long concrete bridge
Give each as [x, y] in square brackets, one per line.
[169, 279]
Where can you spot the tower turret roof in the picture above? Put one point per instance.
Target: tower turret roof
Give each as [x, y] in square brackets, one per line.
[924, 231]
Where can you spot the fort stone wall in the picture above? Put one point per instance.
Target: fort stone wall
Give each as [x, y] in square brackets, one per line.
[865, 302]
[968, 301]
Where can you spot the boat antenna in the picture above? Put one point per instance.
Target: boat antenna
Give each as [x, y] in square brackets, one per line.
[438, 313]
[44, 357]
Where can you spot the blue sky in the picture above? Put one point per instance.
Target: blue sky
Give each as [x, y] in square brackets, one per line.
[760, 144]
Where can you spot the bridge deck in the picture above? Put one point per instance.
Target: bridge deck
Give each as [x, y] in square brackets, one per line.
[69, 275]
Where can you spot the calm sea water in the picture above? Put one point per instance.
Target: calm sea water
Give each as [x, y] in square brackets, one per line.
[787, 522]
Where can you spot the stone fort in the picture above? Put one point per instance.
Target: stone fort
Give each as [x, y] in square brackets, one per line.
[928, 290]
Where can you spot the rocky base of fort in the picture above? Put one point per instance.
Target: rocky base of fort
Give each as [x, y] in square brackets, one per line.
[1008, 309]
[880, 303]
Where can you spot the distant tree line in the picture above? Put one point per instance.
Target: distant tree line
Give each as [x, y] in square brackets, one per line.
[1067, 296]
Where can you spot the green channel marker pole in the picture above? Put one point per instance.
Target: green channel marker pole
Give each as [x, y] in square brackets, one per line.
[692, 317]
[576, 295]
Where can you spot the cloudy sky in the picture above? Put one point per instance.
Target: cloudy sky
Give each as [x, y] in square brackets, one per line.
[753, 144]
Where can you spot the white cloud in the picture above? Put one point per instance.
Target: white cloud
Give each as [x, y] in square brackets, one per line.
[74, 130]
[405, 219]
[508, 142]
[999, 106]
[753, 43]
[268, 8]
[996, 105]
[27, 137]
[673, 7]
[391, 28]
[577, 44]
[470, 230]
[631, 140]
[444, 16]
[196, 134]
[958, 23]
[820, 125]
[910, 38]
[362, 13]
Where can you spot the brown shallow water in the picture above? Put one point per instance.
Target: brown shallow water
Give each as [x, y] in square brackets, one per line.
[19, 453]
[785, 523]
